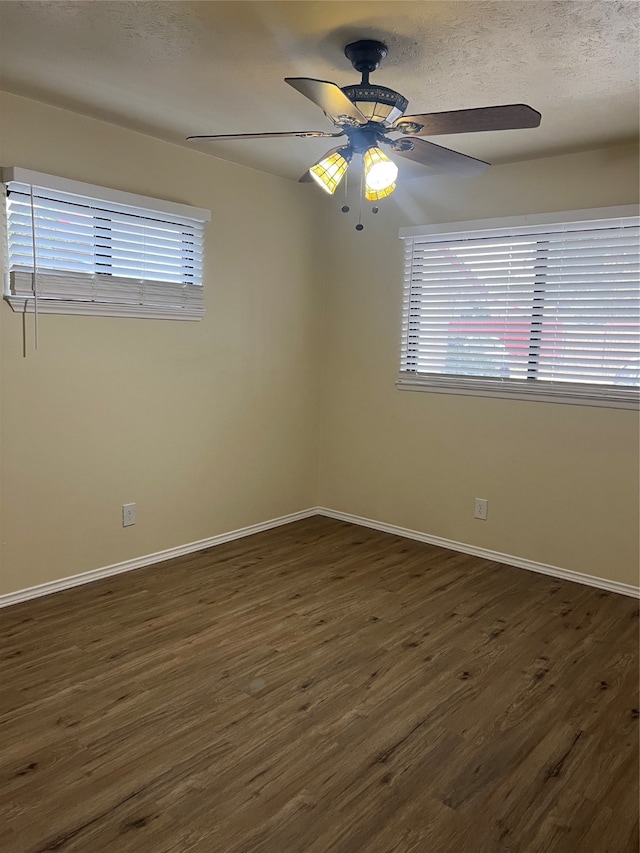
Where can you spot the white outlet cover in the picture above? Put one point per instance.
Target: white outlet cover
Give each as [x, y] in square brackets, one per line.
[481, 509]
[128, 515]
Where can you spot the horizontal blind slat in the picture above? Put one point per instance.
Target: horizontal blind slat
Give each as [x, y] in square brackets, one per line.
[542, 303]
[98, 289]
[111, 244]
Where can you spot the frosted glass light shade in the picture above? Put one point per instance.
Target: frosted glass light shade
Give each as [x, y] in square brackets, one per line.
[380, 174]
[329, 171]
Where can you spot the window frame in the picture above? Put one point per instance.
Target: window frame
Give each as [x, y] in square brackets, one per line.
[584, 394]
[22, 303]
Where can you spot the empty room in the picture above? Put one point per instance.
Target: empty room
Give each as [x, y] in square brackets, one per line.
[320, 448]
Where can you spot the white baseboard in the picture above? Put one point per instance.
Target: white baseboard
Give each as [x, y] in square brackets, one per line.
[485, 553]
[148, 559]
[200, 545]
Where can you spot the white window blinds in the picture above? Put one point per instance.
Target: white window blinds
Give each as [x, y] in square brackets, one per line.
[549, 309]
[100, 246]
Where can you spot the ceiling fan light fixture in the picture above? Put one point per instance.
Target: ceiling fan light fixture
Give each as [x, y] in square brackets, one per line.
[367, 114]
[329, 171]
[380, 174]
[376, 195]
[377, 103]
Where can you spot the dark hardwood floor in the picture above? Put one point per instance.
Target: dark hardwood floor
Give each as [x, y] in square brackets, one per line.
[321, 687]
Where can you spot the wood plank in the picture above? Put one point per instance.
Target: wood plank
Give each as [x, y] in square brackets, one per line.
[321, 687]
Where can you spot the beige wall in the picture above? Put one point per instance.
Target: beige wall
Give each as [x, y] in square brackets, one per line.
[561, 480]
[207, 426]
[216, 425]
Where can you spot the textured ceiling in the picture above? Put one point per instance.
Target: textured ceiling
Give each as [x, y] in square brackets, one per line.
[171, 69]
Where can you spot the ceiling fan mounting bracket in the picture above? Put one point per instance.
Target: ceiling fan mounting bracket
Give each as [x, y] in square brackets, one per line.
[365, 55]
[404, 144]
[409, 127]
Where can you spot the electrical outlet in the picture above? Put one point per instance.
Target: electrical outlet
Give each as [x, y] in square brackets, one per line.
[482, 507]
[128, 515]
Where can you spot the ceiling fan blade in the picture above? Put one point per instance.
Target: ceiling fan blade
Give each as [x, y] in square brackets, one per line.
[438, 158]
[305, 134]
[508, 117]
[329, 98]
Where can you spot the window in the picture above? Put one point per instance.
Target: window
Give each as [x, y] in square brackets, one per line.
[100, 251]
[526, 308]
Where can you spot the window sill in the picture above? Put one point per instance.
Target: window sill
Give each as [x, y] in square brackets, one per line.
[25, 305]
[514, 391]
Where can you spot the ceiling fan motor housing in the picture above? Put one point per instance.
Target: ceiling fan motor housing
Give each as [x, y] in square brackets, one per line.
[377, 103]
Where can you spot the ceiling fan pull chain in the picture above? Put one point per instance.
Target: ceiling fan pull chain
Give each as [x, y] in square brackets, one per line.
[345, 206]
[360, 226]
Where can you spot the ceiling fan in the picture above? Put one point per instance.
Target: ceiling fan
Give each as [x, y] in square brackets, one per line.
[372, 116]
